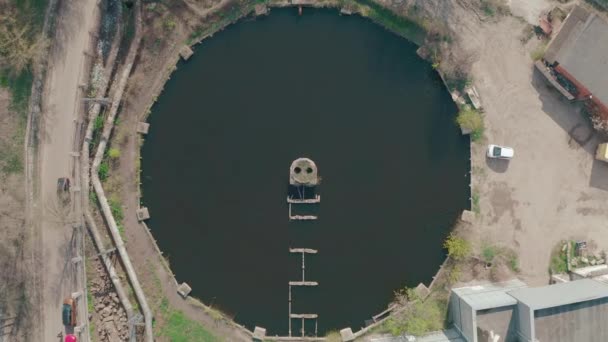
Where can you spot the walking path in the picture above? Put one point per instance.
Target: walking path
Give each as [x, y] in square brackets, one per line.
[60, 122]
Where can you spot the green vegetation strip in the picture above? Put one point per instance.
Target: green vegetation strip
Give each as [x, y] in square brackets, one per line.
[179, 328]
[11, 160]
[385, 17]
[471, 120]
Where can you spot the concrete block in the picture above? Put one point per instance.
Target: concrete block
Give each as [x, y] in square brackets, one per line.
[184, 290]
[261, 9]
[259, 333]
[422, 291]
[186, 52]
[347, 334]
[143, 214]
[467, 216]
[143, 127]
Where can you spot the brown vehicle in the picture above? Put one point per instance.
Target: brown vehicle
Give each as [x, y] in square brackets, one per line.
[68, 312]
[63, 189]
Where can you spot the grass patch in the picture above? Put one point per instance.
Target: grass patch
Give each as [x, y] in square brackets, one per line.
[419, 318]
[11, 148]
[104, 170]
[116, 208]
[475, 202]
[513, 261]
[458, 248]
[20, 87]
[559, 260]
[488, 253]
[33, 8]
[10, 160]
[385, 17]
[179, 328]
[471, 120]
[90, 305]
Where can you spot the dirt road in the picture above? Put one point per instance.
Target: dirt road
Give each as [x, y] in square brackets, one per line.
[61, 107]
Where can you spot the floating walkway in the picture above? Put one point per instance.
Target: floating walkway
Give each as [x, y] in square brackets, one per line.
[305, 283]
[317, 199]
[303, 250]
[301, 217]
[302, 174]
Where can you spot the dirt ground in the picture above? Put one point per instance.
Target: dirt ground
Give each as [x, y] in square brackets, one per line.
[60, 113]
[553, 189]
[165, 32]
[13, 314]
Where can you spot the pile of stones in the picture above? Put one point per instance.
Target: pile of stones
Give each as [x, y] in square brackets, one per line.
[110, 318]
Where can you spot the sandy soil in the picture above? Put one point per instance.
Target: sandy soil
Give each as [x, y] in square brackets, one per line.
[61, 105]
[553, 189]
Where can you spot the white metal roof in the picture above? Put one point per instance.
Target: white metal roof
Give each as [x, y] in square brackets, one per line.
[490, 295]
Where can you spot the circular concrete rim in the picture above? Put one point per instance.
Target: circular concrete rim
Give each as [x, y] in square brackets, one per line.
[303, 171]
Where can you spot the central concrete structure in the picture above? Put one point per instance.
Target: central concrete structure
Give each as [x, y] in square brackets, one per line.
[303, 172]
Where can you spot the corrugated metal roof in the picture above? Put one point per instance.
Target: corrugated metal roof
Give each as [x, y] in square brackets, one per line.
[487, 296]
[584, 54]
[561, 294]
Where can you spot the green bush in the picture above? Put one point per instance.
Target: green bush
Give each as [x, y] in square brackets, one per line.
[458, 248]
[418, 319]
[539, 52]
[471, 120]
[114, 153]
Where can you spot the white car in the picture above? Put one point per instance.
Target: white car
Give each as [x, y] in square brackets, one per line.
[502, 152]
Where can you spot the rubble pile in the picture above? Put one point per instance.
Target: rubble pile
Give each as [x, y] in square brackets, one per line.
[109, 317]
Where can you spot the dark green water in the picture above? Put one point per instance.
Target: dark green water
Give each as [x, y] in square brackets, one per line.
[357, 100]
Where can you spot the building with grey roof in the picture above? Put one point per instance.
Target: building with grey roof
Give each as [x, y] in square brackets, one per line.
[579, 52]
[572, 311]
[485, 310]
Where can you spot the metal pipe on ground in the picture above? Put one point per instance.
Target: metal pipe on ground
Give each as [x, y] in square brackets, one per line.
[122, 78]
[120, 291]
[116, 282]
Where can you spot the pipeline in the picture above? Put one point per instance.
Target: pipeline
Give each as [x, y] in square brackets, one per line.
[105, 208]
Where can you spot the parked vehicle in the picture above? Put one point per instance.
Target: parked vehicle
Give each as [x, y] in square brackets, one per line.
[68, 312]
[70, 338]
[500, 152]
[63, 189]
